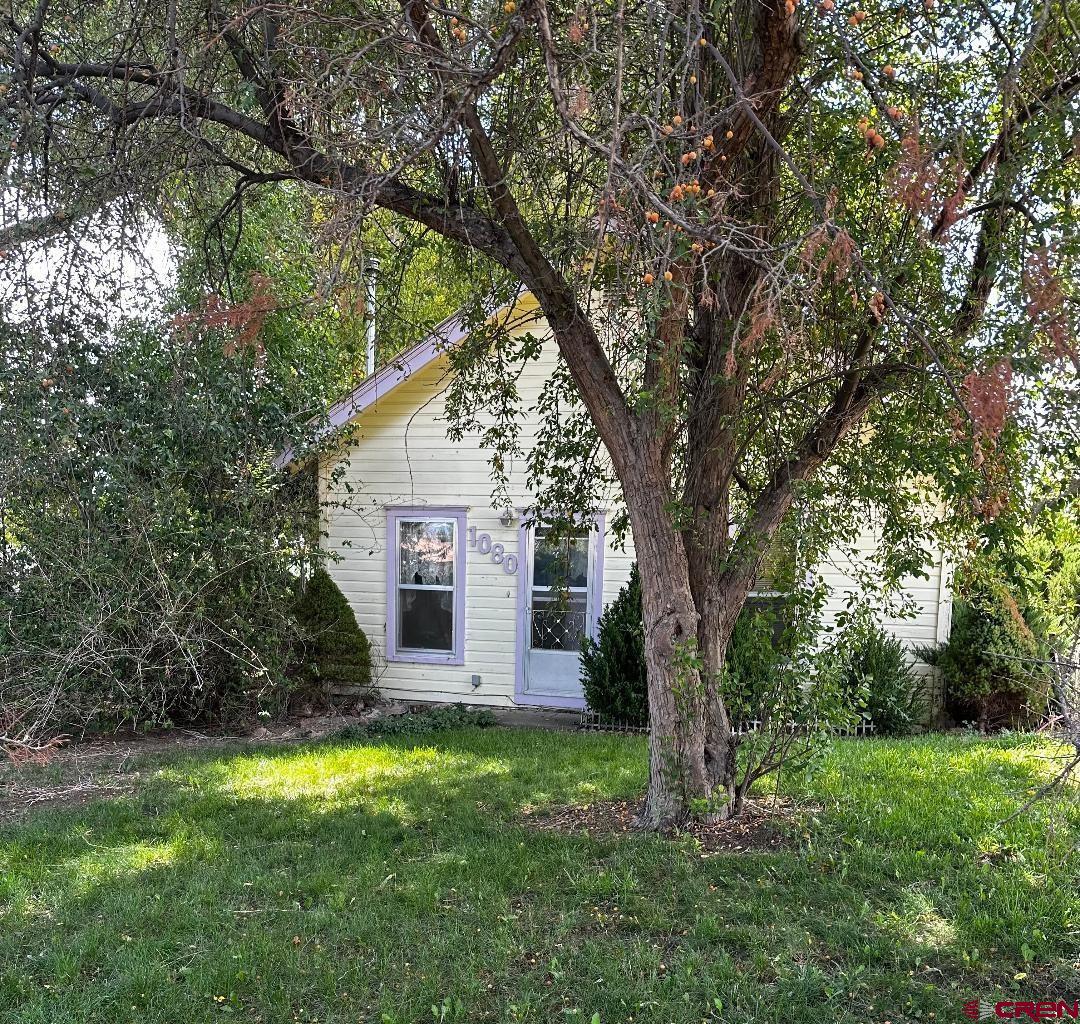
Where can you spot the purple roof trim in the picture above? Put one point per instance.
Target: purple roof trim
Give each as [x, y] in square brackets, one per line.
[445, 336]
[450, 333]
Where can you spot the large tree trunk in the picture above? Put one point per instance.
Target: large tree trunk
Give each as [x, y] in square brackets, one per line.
[692, 769]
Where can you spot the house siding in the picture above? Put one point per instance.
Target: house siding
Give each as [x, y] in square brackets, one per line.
[931, 596]
[400, 456]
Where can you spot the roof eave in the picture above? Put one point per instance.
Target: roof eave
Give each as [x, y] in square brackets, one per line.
[447, 335]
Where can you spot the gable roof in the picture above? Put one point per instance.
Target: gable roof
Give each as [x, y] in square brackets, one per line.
[447, 335]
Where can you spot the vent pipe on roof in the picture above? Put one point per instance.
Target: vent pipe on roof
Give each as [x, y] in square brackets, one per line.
[371, 274]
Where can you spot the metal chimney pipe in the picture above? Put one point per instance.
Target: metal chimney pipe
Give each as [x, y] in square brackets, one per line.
[371, 276]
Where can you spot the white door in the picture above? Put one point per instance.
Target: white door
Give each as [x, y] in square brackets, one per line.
[559, 602]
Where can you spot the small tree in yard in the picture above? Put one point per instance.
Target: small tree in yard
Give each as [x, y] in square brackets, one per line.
[993, 664]
[336, 650]
[613, 666]
[754, 227]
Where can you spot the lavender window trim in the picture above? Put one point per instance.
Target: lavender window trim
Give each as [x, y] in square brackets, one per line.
[393, 516]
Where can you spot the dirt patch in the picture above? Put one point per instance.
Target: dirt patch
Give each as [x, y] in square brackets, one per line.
[78, 773]
[760, 828]
[73, 775]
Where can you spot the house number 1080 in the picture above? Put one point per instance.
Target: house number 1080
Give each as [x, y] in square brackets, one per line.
[482, 543]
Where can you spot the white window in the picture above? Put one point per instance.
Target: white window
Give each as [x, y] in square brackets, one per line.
[427, 593]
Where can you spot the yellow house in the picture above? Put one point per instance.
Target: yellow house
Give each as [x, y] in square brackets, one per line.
[456, 594]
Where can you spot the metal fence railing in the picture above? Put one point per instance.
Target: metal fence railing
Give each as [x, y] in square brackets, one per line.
[1064, 714]
[593, 721]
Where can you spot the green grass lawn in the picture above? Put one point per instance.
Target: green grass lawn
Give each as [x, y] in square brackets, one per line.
[390, 881]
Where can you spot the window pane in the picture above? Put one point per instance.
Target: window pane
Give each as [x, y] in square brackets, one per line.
[558, 624]
[426, 552]
[545, 560]
[563, 562]
[579, 560]
[426, 620]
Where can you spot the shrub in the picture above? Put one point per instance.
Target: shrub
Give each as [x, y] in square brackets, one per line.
[1051, 549]
[755, 655]
[335, 650]
[988, 663]
[613, 665]
[149, 549]
[782, 692]
[766, 663]
[876, 674]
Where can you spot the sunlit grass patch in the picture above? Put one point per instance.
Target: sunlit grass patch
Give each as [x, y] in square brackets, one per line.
[332, 776]
[915, 917]
[99, 862]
